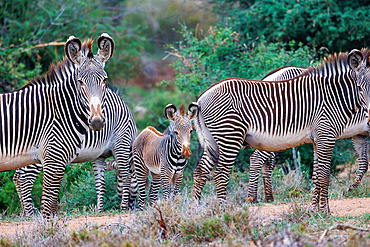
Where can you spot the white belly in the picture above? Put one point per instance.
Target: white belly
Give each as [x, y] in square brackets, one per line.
[27, 158]
[353, 130]
[267, 142]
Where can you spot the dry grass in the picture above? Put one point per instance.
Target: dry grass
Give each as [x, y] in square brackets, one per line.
[184, 222]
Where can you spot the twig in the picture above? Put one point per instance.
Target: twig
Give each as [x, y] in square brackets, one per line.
[162, 223]
[343, 227]
[54, 43]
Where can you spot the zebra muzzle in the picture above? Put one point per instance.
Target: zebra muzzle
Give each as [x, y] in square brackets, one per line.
[96, 121]
[186, 151]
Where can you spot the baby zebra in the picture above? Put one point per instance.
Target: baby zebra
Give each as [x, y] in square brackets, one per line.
[164, 155]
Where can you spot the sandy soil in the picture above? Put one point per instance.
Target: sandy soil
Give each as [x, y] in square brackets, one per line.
[262, 213]
[11, 228]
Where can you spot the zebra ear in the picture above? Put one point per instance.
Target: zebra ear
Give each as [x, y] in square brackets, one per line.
[193, 110]
[354, 59]
[169, 112]
[73, 49]
[106, 47]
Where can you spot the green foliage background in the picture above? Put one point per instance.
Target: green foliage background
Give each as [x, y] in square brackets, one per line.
[206, 41]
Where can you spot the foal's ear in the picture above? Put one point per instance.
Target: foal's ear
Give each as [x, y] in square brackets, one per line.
[106, 47]
[169, 111]
[193, 110]
[354, 59]
[73, 49]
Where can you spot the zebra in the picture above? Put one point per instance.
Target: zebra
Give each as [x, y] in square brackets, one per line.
[164, 155]
[357, 128]
[313, 107]
[115, 139]
[46, 120]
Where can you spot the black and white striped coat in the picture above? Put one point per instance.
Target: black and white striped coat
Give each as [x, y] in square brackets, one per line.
[163, 155]
[115, 139]
[357, 128]
[314, 107]
[46, 121]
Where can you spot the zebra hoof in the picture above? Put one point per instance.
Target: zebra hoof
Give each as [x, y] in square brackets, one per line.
[269, 200]
[252, 200]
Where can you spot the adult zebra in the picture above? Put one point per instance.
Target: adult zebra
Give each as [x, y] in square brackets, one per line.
[313, 107]
[357, 128]
[115, 139]
[46, 120]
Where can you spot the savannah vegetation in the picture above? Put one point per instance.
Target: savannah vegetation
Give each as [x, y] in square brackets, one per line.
[169, 51]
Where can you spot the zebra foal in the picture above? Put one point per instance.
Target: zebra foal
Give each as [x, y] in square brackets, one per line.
[46, 120]
[164, 155]
[115, 139]
[314, 107]
[357, 128]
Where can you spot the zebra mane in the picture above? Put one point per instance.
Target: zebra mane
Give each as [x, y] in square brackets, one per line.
[336, 61]
[57, 69]
[278, 69]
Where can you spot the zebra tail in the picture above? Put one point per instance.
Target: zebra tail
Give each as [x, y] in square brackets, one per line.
[205, 137]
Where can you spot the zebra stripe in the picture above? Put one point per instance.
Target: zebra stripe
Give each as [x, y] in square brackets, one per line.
[45, 121]
[164, 155]
[313, 107]
[97, 146]
[357, 128]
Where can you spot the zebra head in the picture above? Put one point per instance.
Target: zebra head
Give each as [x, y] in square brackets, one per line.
[359, 62]
[90, 75]
[182, 126]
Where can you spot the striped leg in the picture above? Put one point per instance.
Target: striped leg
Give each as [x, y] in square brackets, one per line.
[201, 174]
[176, 181]
[266, 175]
[324, 153]
[225, 164]
[53, 174]
[316, 190]
[122, 150]
[154, 188]
[361, 146]
[24, 181]
[166, 178]
[257, 160]
[142, 173]
[98, 166]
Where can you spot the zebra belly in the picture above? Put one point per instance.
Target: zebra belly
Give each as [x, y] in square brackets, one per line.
[18, 161]
[267, 142]
[87, 154]
[358, 129]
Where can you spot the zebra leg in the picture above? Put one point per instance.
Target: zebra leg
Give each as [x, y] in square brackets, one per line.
[53, 174]
[324, 153]
[176, 181]
[201, 174]
[122, 153]
[316, 186]
[98, 167]
[154, 188]
[266, 175]
[361, 146]
[223, 170]
[142, 173]
[24, 179]
[257, 159]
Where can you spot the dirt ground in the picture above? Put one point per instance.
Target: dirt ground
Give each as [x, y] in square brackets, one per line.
[265, 213]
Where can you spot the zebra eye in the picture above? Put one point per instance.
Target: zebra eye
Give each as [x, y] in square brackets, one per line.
[176, 132]
[104, 81]
[81, 83]
[191, 131]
